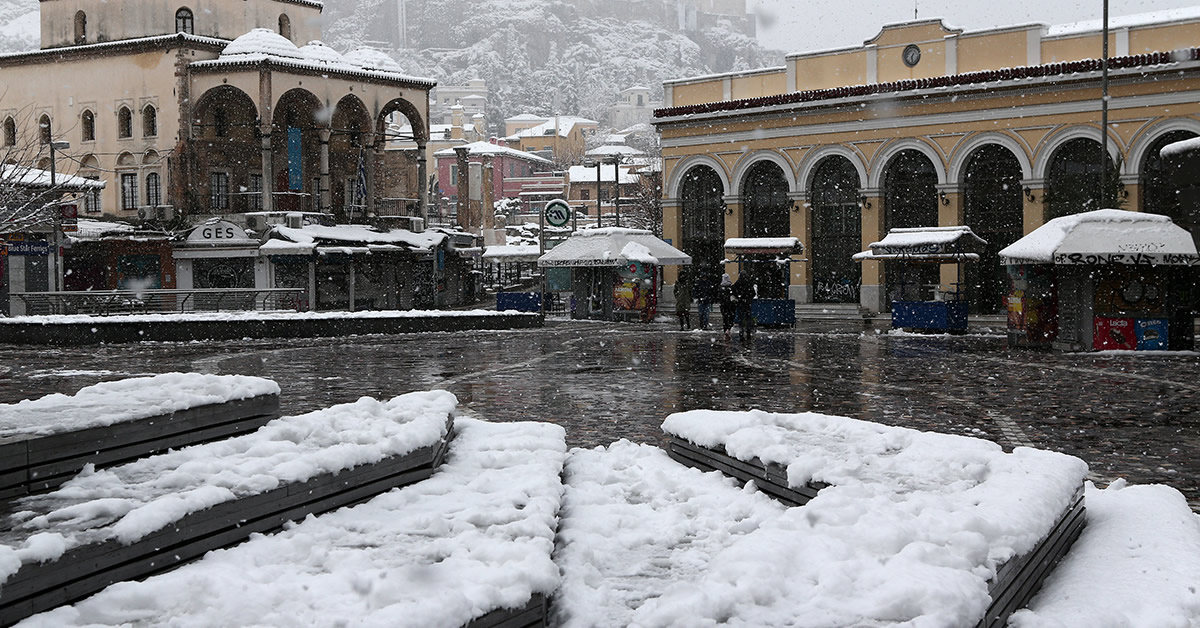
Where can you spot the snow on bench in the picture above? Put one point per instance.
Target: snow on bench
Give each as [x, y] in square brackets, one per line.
[1136, 565]
[142, 517]
[44, 442]
[635, 525]
[911, 526]
[453, 550]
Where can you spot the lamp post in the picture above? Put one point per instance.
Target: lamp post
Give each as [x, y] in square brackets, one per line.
[1102, 198]
[616, 164]
[599, 207]
[56, 235]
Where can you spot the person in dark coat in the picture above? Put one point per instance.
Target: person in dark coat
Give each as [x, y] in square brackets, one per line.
[725, 295]
[705, 293]
[743, 293]
[683, 302]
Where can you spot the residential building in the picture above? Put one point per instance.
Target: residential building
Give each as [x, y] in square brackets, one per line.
[507, 166]
[927, 125]
[472, 97]
[560, 138]
[599, 200]
[633, 106]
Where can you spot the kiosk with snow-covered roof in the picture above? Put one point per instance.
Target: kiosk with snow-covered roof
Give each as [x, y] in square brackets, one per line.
[919, 306]
[770, 261]
[615, 271]
[1103, 280]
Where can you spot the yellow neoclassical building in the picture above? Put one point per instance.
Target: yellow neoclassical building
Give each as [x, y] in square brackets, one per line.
[202, 108]
[926, 125]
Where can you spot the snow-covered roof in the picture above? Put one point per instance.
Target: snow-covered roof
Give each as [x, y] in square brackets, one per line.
[1105, 236]
[37, 178]
[764, 245]
[118, 44]
[1125, 21]
[614, 149]
[926, 243]
[564, 124]
[348, 238]
[613, 246]
[372, 59]
[265, 45]
[487, 148]
[1178, 148]
[90, 229]
[526, 117]
[587, 174]
[503, 253]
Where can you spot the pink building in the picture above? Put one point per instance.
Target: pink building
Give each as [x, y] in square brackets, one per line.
[507, 164]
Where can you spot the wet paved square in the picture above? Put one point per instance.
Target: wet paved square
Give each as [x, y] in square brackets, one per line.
[1132, 416]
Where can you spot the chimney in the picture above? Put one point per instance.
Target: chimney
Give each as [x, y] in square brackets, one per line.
[456, 122]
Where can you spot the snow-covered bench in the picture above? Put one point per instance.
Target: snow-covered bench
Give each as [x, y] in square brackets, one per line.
[943, 527]
[45, 442]
[140, 518]
[470, 546]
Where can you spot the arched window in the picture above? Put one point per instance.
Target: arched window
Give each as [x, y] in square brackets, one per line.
[1073, 180]
[10, 132]
[836, 231]
[149, 121]
[994, 210]
[184, 22]
[910, 200]
[87, 124]
[80, 27]
[124, 122]
[1163, 187]
[44, 129]
[153, 190]
[765, 193]
[703, 229]
[285, 25]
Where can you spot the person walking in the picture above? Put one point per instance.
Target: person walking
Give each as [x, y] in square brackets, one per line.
[683, 302]
[743, 295]
[725, 295]
[705, 292]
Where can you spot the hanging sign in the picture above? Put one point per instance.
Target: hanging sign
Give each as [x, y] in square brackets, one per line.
[558, 213]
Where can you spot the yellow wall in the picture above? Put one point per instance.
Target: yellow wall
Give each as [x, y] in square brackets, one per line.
[1076, 48]
[892, 67]
[903, 34]
[759, 85]
[697, 93]
[1162, 38]
[834, 70]
[1000, 50]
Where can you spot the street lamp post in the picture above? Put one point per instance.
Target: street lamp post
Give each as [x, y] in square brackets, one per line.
[599, 207]
[56, 235]
[616, 163]
[1103, 199]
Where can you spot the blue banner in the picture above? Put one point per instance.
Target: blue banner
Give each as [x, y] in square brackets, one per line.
[295, 167]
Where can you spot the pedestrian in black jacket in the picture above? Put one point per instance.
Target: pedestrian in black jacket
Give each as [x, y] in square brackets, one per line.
[743, 294]
[725, 294]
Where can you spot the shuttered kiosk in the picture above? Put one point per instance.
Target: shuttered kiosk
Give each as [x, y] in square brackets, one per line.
[926, 306]
[615, 271]
[1107, 279]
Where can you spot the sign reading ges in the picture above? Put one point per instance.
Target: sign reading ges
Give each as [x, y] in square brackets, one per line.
[218, 232]
[558, 213]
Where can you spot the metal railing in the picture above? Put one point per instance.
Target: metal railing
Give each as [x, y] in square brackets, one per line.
[108, 302]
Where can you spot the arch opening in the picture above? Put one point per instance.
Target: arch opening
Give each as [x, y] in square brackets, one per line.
[225, 155]
[836, 231]
[1161, 185]
[1073, 179]
[702, 216]
[910, 200]
[994, 210]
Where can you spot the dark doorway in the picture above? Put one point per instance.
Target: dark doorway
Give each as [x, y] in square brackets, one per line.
[994, 211]
[909, 200]
[836, 232]
[1073, 180]
[703, 218]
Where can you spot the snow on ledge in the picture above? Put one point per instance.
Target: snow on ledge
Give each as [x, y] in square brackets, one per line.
[126, 400]
[911, 528]
[240, 316]
[128, 502]
[476, 536]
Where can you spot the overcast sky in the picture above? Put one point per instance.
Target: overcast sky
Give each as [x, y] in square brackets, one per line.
[802, 25]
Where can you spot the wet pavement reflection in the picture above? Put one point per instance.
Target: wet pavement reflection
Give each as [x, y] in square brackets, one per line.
[1132, 416]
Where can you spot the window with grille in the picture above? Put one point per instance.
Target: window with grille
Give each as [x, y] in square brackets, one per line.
[88, 126]
[256, 192]
[129, 190]
[183, 21]
[124, 123]
[153, 190]
[149, 121]
[218, 191]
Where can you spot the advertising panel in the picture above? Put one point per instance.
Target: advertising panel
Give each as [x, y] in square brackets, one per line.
[1114, 333]
[1152, 334]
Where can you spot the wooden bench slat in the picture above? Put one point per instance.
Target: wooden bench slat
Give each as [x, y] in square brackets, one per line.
[532, 614]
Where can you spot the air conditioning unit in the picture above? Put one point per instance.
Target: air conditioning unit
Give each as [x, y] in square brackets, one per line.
[147, 213]
[416, 225]
[165, 214]
[294, 220]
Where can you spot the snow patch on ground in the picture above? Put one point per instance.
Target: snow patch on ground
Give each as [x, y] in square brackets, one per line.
[911, 529]
[125, 400]
[475, 537]
[128, 502]
[241, 316]
[636, 524]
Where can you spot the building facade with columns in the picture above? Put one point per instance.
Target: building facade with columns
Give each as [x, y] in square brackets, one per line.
[206, 109]
[927, 125]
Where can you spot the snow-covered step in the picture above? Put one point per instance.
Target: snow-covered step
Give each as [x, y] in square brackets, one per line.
[470, 546]
[44, 442]
[140, 518]
[911, 526]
